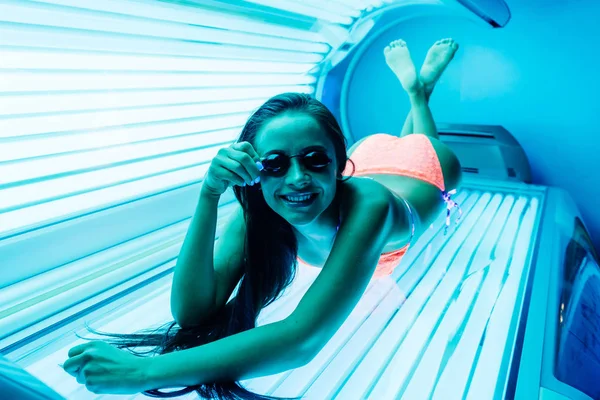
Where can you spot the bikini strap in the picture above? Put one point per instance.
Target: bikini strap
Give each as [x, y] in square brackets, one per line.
[412, 219]
[450, 204]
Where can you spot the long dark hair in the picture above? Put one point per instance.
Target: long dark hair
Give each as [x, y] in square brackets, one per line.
[270, 253]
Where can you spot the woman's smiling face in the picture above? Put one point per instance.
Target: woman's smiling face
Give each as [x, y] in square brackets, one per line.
[291, 134]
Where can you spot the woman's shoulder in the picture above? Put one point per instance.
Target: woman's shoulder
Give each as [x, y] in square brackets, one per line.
[361, 194]
[366, 191]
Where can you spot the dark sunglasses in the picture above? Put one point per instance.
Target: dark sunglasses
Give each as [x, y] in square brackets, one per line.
[278, 164]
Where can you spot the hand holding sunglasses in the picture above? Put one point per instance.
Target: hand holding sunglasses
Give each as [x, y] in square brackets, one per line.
[237, 164]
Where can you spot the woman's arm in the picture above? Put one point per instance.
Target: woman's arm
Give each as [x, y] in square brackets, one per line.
[193, 291]
[265, 350]
[294, 341]
[349, 268]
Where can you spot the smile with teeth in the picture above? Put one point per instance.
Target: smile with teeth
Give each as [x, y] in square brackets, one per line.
[299, 199]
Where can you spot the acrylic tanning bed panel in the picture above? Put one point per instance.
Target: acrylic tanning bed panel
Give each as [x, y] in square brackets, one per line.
[443, 325]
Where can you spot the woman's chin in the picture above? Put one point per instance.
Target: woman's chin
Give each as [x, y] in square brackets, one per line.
[300, 215]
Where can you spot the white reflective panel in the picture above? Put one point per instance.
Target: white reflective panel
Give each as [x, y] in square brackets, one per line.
[154, 313]
[376, 334]
[58, 210]
[70, 81]
[335, 362]
[185, 15]
[336, 7]
[101, 158]
[73, 39]
[398, 370]
[504, 316]
[45, 190]
[23, 126]
[494, 269]
[355, 4]
[42, 145]
[412, 372]
[433, 359]
[375, 3]
[445, 311]
[398, 342]
[57, 60]
[56, 102]
[310, 11]
[46, 287]
[78, 286]
[70, 288]
[109, 104]
[113, 23]
[421, 258]
[477, 299]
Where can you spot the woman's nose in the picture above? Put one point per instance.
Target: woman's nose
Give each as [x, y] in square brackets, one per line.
[297, 171]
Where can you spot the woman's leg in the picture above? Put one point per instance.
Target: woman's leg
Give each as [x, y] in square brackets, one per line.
[437, 59]
[422, 118]
[407, 128]
[398, 59]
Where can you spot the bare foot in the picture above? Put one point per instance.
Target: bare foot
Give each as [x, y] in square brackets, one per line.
[398, 59]
[437, 59]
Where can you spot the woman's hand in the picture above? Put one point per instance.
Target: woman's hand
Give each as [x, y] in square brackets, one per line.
[105, 369]
[237, 164]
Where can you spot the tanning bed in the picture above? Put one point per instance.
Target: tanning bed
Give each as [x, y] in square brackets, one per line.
[501, 307]
[100, 172]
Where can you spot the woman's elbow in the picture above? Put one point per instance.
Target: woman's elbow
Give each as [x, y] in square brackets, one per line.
[301, 345]
[306, 353]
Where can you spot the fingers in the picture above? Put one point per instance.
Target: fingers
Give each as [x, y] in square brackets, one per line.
[76, 363]
[247, 147]
[236, 173]
[79, 348]
[237, 164]
[248, 160]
